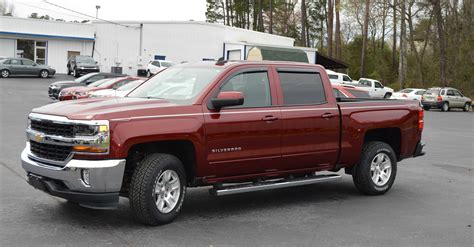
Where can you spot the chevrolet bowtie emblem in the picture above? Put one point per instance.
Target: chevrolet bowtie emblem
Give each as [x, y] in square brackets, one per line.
[39, 137]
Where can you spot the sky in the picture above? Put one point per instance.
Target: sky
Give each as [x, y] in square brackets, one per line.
[147, 10]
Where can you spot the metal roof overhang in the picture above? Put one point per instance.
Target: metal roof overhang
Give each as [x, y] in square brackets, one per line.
[329, 63]
[44, 36]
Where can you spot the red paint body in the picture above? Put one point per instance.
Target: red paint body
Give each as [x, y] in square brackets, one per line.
[269, 142]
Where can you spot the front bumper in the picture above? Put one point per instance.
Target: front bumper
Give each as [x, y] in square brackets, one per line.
[87, 70]
[419, 149]
[65, 97]
[105, 179]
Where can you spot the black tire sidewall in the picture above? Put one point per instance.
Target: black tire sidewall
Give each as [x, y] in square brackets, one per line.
[363, 178]
[168, 217]
[41, 74]
[466, 107]
[447, 108]
[1, 73]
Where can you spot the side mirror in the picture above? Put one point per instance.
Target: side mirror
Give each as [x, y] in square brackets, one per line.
[229, 98]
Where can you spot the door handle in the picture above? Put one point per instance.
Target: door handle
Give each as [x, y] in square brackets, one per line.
[328, 115]
[269, 118]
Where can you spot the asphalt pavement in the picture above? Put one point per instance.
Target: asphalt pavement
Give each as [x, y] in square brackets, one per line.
[430, 204]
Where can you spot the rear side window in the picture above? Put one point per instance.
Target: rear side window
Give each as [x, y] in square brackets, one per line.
[358, 93]
[421, 92]
[302, 88]
[331, 76]
[338, 94]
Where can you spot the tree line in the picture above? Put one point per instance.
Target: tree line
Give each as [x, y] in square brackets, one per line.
[403, 43]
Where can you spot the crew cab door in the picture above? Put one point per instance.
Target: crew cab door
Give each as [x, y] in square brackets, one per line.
[244, 139]
[379, 90]
[310, 118]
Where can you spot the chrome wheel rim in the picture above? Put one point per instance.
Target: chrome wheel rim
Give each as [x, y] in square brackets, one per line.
[5, 73]
[381, 169]
[167, 191]
[466, 107]
[44, 74]
[445, 107]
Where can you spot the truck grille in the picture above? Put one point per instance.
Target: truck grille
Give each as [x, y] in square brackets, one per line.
[50, 128]
[49, 151]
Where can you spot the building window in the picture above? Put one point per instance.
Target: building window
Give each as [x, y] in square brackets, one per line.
[31, 49]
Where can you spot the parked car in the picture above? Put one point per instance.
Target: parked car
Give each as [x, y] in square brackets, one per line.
[338, 78]
[445, 98]
[229, 131]
[157, 65]
[56, 87]
[346, 91]
[23, 66]
[84, 92]
[409, 94]
[375, 88]
[80, 64]
[119, 92]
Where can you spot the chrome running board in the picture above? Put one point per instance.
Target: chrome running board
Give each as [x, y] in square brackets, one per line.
[274, 184]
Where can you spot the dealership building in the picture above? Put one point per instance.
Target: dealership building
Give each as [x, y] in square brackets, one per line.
[129, 46]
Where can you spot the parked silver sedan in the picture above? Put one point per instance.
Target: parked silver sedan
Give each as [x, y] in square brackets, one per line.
[23, 66]
[445, 98]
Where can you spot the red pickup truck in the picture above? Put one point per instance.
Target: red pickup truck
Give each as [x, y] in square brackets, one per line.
[235, 126]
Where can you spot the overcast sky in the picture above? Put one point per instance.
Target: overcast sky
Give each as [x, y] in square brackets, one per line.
[176, 10]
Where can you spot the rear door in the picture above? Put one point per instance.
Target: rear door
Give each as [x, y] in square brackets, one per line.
[244, 139]
[378, 88]
[15, 67]
[310, 118]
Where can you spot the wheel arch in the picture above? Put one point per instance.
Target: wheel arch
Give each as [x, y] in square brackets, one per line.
[392, 136]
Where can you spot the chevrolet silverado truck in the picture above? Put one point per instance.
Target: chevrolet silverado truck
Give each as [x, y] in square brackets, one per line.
[233, 126]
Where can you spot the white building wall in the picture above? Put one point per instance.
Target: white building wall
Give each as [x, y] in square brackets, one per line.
[58, 49]
[7, 47]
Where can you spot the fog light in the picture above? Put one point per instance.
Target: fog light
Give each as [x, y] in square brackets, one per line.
[85, 176]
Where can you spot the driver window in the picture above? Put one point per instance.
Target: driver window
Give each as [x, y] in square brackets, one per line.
[456, 93]
[450, 93]
[378, 85]
[346, 78]
[254, 86]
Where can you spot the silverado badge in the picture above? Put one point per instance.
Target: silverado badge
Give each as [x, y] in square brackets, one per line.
[39, 137]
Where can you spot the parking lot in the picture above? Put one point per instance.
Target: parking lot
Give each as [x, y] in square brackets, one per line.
[430, 204]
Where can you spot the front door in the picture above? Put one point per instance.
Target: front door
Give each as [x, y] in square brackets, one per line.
[310, 135]
[244, 139]
[29, 67]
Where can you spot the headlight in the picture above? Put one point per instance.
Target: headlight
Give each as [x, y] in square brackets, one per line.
[99, 143]
[81, 67]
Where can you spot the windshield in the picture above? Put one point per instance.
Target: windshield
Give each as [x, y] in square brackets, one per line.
[2, 60]
[131, 85]
[433, 91]
[83, 59]
[180, 84]
[85, 77]
[166, 64]
[110, 82]
[98, 83]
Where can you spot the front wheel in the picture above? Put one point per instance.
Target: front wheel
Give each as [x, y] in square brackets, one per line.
[157, 189]
[445, 107]
[75, 73]
[387, 96]
[467, 107]
[44, 74]
[5, 73]
[377, 169]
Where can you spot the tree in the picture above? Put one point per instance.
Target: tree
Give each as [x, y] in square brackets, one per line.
[401, 60]
[214, 11]
[303, 23]
[330, 20]
[364, 38]
[338, 30]
[441, 41]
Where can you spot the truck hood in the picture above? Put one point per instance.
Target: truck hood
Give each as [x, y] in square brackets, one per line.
[60, 83]
[109, 108]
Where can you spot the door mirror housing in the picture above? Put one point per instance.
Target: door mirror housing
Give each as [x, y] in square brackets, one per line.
[229, 98]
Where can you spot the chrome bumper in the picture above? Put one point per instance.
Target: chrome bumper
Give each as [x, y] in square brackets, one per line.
[104, 175]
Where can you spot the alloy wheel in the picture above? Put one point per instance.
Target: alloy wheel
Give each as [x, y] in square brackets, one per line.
[381, 169]
[167, 191]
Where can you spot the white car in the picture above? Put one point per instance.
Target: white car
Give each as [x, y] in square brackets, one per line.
[409, 94]
[156, 66]
[119, 92]
[375, 88]
[338, 78]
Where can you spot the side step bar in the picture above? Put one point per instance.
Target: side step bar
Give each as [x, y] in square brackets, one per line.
[268, 185]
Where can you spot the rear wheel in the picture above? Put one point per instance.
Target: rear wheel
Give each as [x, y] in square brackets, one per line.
[377, 169]
[75, 73]
[426, 108]
[157, 189]
[5, 73]
[467, 107]
[445, 106]
[44, 74]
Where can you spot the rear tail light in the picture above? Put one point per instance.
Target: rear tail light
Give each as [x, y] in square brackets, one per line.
[439, 98]
[421, 122]
[422, 98]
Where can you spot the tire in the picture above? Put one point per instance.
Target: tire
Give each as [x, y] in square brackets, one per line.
[426, 108]
[467, 107]
[445, 107]
[75, 73]
[44, 74]
[148, 73]
[387, 96]
[367, 177]
[5, 73]
[145, 201]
